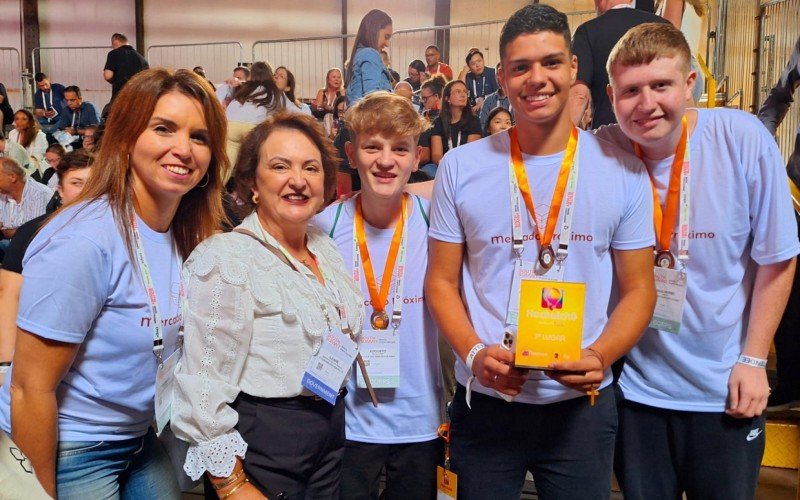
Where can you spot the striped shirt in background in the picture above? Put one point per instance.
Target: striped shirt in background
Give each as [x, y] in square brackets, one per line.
[35, 197]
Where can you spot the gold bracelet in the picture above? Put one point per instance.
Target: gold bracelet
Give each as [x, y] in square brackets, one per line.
[228, 481]
[236, 488]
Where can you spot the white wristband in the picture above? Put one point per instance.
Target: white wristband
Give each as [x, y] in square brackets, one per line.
[472, 353]
[756, 362]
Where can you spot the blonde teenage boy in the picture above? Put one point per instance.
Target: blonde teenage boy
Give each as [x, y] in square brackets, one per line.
[383, 232]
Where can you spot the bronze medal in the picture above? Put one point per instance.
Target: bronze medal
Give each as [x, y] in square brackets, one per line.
[379, 320]
[665, 259]
[547, 257]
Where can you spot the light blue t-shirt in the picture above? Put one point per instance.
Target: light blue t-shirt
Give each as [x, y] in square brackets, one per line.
[472, 205]
[410, 413]
[741, 216]
[80, 286]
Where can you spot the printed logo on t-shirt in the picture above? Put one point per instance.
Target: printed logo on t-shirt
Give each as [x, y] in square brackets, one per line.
[406, 300]
[147, 321]
[507, 239]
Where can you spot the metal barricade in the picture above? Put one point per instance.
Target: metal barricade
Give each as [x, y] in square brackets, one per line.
[778, 38]
[410, 44]
[81, 66]
[11, 75]
[309, 59]
[218, 59]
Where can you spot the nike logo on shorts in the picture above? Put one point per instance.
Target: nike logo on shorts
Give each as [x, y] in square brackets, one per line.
[754, 433]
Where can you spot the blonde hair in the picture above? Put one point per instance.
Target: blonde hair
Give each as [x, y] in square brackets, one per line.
[385, 113]
[647, 42]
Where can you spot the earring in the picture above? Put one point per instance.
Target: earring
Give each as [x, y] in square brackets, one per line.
[254, 199]
[208, 179]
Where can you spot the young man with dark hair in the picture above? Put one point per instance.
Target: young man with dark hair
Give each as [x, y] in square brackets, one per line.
[695, 386]
[434, 64]
[518, 204]
[48, 102]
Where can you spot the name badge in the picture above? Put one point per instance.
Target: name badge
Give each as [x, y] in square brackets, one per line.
[550, 324]
[165, 386]
[527, 270]
[381, 352]
[446, 484]
[671, 291]
[327, 369]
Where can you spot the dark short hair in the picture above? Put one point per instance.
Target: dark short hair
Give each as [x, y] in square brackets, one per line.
[494, 112]
[74, 160]
[417, 65]
[242, 68]
[531, 19]
[247, 162]
[73, 88]
[119, 37]
[434, 47]
[472, 53]
[39, 77]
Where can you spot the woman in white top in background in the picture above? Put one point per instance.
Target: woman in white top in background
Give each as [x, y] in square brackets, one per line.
[27, 134]
[285, 81]
[263, 300]
[253, 101]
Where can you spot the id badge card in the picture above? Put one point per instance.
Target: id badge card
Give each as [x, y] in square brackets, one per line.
[671, 292]
[165, 386]
[528, 270]
[327, 369]
[550, 323]
[446, 484]
[381, 352]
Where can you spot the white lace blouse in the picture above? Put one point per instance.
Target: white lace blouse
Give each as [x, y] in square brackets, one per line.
[253, 323]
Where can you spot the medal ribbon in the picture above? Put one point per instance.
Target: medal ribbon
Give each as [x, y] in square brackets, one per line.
[677, 195]
[379, 299]
[147, 280]
[521, 178]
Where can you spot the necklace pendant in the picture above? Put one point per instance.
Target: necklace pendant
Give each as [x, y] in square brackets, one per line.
[379, 320]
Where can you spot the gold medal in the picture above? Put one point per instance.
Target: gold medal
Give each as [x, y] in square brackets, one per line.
[379, 320]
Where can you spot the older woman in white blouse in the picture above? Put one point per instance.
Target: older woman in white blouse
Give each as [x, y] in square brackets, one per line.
[260, 303]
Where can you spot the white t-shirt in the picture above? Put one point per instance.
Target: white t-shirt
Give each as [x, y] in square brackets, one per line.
[249, 112]
[472, 205]
[410, 413]
[741, 215]
[96, 299]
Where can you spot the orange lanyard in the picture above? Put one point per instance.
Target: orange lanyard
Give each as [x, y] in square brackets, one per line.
[380, 319]
[558, 194]
[664, 223]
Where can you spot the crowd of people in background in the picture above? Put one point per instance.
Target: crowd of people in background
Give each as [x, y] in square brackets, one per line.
[291, 299]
